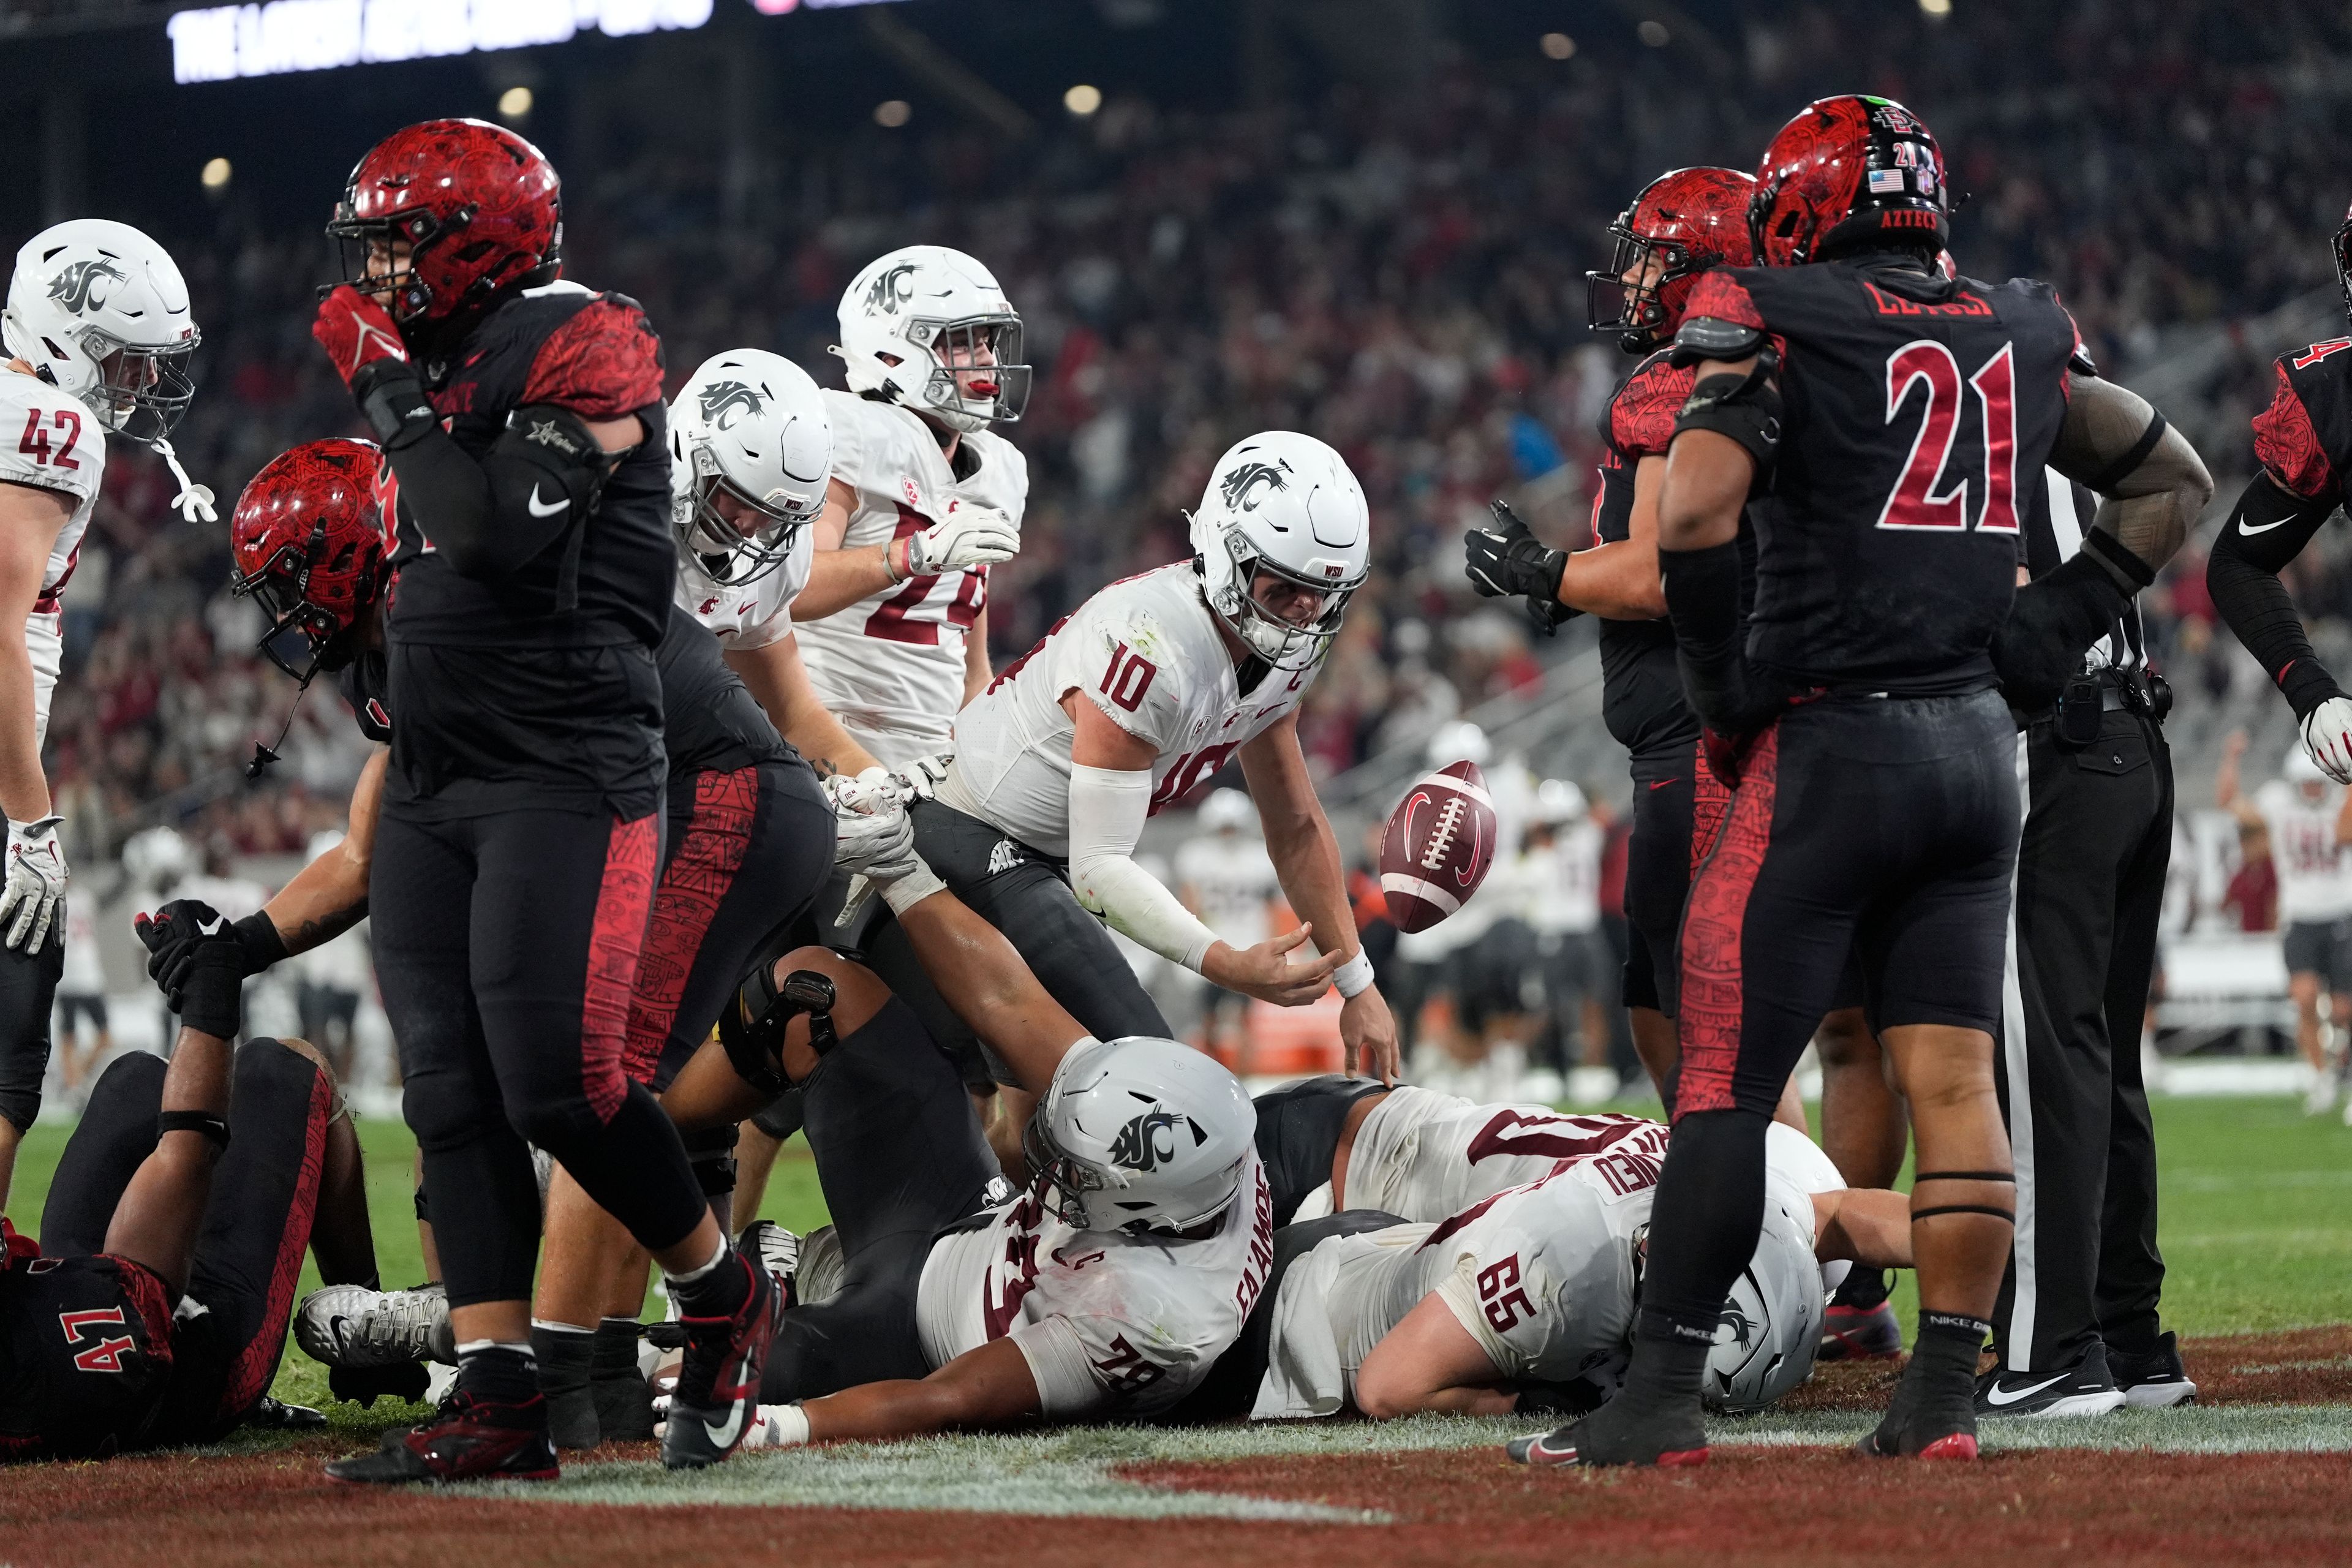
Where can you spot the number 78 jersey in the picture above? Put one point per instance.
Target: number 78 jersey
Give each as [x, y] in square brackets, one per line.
[1918, 413]
[1146, 653]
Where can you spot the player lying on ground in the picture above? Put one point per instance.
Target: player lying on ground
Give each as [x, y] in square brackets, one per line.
[154, 1310]
[1126, 706]
[98, 339]
[1105, 1290]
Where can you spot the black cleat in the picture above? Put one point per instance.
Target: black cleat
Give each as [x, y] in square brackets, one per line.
[1925, 1421]
[470, 1440]
[718, 1394]
[2153, 1380]
[277, 1416]
[1618, 1435]
[2083, 1389]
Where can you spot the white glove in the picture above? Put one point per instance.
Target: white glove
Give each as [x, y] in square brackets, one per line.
[846, 792]
[919, 780]
[2326, 735]
[36, 880]
[873, 836]
[971, 536]
[775, 1426]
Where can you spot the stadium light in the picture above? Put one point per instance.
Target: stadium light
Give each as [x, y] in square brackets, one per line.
[1938, 9]
[1654, 33]
[514, 103]
[216, 175]
[1557, 46]
[893, 112]
[1082, 100]
[218, 42]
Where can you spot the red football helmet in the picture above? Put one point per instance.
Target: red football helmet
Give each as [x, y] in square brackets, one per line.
[480, 207]
[1847, 173]
[310, 542]
[1690, 219]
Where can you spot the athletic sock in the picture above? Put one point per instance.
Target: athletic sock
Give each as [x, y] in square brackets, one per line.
[566, 1353]
[1669, 1360]
[714, 1290]
[625, 1404]
[1945, 1355]
[616, 1347]
[500, 1371]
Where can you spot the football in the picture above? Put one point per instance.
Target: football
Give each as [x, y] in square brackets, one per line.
[1439, 844]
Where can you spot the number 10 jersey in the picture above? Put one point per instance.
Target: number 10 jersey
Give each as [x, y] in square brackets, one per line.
[1146, 652]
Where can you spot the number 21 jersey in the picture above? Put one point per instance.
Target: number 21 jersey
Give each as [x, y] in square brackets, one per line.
[1888, 538]
[1146, 652]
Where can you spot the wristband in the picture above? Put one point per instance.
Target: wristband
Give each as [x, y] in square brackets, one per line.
[1354, 978]
[779, 1426]
[213, 1126]
[905, 893]
[258, 935]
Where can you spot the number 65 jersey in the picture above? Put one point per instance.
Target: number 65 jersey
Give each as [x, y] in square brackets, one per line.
[49, 442]
[1146, 651]
[892, 666]
[1888, 538]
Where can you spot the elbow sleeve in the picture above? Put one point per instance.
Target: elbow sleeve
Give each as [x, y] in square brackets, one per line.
[2268, 529]
[1107, 808]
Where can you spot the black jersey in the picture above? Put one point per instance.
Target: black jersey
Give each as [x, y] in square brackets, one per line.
[1640, 689]
[1916, 409]
[362, 686]
[2304, 439]
[85, 1356]
[506, 696]
[712, 723]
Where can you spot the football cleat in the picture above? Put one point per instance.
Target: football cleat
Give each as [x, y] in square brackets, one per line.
[2155, 1381]
[775, 1249]
[470, 1440]
[1618, 1435]
[352, 1326]
[1859, 1333]
[2083, 1389]
[1932, 1417]
[277, 1416]
[718, 1392]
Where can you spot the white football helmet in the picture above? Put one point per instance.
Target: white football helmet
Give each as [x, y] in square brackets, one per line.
[1560, 802]
[914, 324]
[1229, 810]
[1284, 504]
[1459, 740]
[100, 311]
[753, 425]
[1772, 1326]
[1139, 1134]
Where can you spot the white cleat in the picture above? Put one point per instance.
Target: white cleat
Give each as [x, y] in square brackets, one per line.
[352, 1326]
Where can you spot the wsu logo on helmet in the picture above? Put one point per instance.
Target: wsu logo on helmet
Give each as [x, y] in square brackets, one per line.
[71, 287]
[1149, 1141]
[722, 399]
[1240, 486]
[892, 289]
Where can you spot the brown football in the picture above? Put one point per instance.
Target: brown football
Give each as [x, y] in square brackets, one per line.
[1439, 845]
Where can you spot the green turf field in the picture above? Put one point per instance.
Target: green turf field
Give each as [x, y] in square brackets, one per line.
[2256, 1217]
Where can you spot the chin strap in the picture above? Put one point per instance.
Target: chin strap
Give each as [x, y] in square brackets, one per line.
[194, 501]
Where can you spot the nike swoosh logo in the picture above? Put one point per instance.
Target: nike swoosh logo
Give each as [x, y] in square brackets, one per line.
[1997, 1395]
[724, 1434]
[558, 504]
[2244, 527]
[1662, 784]
[214, 929]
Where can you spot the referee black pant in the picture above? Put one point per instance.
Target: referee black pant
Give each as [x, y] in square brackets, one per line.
[2084, 1268]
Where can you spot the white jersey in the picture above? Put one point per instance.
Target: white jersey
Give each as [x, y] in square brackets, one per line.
[85, 973]
[1233, 882]
[49, 441]
[1422, 1156]
[1564, 880]
[2315, 876]
[1112, 1324]
[1144, 650]
[755, 614]
[892, 666]
[1541, 1276]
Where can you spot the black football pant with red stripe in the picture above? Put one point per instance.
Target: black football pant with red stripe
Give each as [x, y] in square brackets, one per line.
[1678, 805]
[506, 948]
[248, 1254]
[748, 850]
[1886, 827]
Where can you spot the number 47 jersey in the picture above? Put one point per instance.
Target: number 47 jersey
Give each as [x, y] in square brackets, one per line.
[1917, 408]
[1146, 651]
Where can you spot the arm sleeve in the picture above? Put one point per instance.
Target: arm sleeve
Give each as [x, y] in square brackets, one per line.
[2267, 529]
[1108, 806]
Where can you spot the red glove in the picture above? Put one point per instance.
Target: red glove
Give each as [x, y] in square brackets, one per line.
[1724, 754]
[356, 333]
[15, 1247]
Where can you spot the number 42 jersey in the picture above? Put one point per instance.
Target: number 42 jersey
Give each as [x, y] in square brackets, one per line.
[1146, 651]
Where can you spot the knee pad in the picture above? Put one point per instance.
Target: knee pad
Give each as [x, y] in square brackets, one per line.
[711, 1153]
[445, 1112]
[752, 1029]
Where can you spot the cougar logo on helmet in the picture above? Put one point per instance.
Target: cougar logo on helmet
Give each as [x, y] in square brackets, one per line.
[721, 398]
[71, 288]
[892, 289]
[1742, 1329]
[1241, 485]
[1149, 1139]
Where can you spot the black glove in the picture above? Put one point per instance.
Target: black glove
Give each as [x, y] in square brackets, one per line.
[256, 937]
[1509, 559]
[208, 990]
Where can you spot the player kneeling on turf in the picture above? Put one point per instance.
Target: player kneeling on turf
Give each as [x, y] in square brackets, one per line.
[1106, 1290]
[188, 1189]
